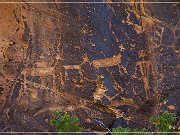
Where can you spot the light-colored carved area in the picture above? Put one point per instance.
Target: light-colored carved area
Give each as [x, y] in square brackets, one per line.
[145, 68]
[124, 101]
[138, 28]
[100, 90]
[76, 67]
[107, 62]
[42, 70]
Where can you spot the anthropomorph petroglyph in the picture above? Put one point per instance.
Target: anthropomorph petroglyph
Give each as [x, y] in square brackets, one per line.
[100, 89]
[145, 69]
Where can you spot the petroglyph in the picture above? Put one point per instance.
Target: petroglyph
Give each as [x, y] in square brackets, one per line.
[157, 36]
[145, 68]
[100, 89]
[70, 67]
[124, 101]
[121, 55]
[76, 67]
[137, 28]
[41, 70]
[108, 62]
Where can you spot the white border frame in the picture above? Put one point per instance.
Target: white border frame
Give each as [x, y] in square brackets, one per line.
[38, 2]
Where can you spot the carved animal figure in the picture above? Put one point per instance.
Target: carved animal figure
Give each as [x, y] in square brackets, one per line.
[76, 67]
[41, 70]
[108, 62]
[68, 67]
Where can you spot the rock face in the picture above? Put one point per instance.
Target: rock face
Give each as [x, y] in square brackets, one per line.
[110, 63]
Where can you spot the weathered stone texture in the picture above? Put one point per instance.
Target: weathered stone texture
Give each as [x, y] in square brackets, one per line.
[113, 63]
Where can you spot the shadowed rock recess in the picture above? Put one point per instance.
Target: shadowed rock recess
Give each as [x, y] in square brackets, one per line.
[116, 63]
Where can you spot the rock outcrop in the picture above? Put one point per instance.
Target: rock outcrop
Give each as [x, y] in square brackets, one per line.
[110, 63]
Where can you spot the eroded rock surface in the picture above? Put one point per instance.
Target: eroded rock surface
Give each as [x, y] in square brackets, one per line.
[110, 63]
